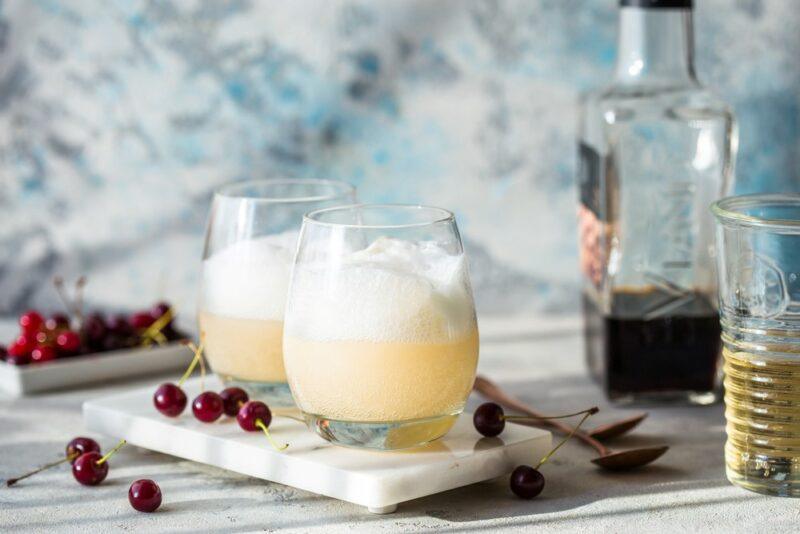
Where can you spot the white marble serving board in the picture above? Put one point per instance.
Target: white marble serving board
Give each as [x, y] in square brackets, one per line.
[18, 380]
[375, 479]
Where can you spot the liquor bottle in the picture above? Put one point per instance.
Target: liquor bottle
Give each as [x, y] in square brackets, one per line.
[655, 149]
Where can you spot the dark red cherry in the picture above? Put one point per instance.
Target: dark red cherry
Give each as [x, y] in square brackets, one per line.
[207, 407]
[252, 412]
[3, 353]
[145, 495]
[141, 320]
[57, 321]
[23, 345]
[88, 471]
[43, 354]
[94, 330]
[119, 325]
[526, 482]
[232, 399]
[81, 445]
[488, 419]
[68, 342]
[31, 321]
[170, 399]
[159, 309]
[13, 358]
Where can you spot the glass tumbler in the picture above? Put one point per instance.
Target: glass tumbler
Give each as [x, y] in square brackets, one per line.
[250, 243]
[758, 243]
[381, 339]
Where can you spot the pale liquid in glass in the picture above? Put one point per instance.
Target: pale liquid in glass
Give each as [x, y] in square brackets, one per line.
[243, 350]
[383, 354]
[762, 399]
[385, 381]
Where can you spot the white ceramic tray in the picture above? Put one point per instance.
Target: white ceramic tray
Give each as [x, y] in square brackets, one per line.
[377, 480]
[19, 380]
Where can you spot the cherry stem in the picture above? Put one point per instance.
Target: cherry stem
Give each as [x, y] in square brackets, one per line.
[587, 413]
[11, 481]
[58, 282]
[260, 424]
[80, 283]
[153, 332]
[198, 358]
[545, 417]
[110, 453]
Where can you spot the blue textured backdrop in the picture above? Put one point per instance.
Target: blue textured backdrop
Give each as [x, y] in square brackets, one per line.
[117, 119]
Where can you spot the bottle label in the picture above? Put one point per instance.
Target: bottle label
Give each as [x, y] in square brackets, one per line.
[591, 214]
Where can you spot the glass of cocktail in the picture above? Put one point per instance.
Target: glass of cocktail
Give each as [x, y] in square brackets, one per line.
[381, 338]
[250, 243]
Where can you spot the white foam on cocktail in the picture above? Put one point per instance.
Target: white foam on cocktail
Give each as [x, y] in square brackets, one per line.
[393, 290]
[250, 279]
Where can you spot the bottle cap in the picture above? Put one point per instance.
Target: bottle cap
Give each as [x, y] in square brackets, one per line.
[657, 4]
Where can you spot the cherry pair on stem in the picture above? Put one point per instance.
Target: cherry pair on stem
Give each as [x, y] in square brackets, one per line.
[526, 482]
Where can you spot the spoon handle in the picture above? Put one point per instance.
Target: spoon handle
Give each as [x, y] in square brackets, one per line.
[492, 391]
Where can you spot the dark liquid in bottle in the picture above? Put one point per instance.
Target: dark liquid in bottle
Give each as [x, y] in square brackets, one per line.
[637, 350]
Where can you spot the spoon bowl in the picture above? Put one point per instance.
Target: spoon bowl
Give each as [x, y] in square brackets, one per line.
[630, 459]
[617, 428]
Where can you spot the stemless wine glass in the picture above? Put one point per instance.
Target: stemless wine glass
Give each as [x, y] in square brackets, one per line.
[250, 243]
[381, 339]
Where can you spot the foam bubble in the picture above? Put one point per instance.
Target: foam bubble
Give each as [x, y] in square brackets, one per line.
[250, 279]
[393, 290]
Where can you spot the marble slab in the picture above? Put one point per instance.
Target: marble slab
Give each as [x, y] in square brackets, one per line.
[19, 380]
[375, 479]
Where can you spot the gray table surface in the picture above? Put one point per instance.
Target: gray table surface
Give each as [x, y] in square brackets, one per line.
[541, 361]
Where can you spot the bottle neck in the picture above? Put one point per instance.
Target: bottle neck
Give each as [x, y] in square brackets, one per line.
[656, 47]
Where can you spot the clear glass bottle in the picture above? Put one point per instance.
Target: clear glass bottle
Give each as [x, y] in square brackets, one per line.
[656, 148]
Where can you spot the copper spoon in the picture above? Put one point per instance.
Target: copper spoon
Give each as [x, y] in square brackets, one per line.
[607, 459]
[617, 428]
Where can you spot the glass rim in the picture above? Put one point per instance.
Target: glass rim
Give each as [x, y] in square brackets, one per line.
[444, 216]
[729, 210]
[233, 190]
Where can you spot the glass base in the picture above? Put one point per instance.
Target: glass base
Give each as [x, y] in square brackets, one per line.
[271, 393]
[651, 398]
[387, 436]
[758, 483]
